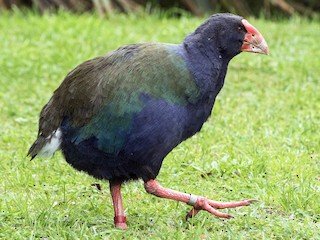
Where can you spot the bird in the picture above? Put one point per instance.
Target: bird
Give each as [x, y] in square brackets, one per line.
[117, 116]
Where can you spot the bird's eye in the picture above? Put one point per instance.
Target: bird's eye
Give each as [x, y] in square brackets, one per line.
[239, 29]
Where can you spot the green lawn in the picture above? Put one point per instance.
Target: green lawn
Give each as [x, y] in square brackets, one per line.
[262, 140]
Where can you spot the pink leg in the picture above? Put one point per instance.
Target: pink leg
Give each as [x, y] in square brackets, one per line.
[119, 217]
[198, 202]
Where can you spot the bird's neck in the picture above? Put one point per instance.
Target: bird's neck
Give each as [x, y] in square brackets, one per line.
[206, 63]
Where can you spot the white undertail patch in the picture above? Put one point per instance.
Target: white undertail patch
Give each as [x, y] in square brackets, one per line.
[52, 145]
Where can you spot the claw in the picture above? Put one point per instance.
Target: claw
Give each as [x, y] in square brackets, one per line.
[252, 200]
[192, 213]
[230, 216]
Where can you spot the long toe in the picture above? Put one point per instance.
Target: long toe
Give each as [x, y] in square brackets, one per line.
[210, 209]
[221, 205]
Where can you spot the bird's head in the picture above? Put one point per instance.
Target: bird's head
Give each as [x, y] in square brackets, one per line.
[232, 34]
[253, 40]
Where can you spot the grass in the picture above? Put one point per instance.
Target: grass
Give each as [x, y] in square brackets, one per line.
[262, 140]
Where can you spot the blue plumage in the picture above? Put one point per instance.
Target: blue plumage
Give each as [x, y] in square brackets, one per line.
[117, 117]
[122, 113]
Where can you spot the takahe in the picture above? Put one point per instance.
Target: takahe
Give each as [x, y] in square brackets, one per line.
[117, 116]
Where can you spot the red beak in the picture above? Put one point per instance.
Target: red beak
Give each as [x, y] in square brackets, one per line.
[253, 40]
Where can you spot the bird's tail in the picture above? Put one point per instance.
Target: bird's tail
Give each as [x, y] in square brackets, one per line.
[46, 146]
[36, 147]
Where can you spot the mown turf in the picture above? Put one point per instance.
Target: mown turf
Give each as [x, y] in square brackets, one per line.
[262, 140]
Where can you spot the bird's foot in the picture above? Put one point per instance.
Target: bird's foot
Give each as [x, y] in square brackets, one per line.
[122, 226]
[198, 202]
[120, 222]
[210, 206]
